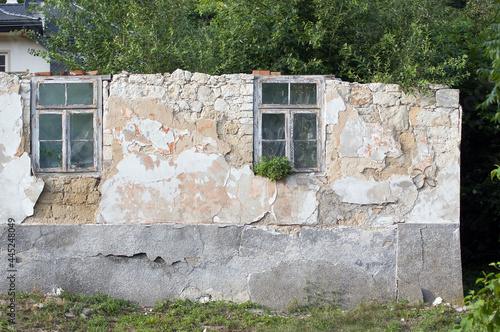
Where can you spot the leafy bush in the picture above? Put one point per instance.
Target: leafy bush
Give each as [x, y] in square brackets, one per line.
[485, 305]
[275, 168]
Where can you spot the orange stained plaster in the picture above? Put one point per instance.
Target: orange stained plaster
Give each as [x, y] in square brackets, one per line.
[256, 191]
[200, 148]
[216, 166]
[199, 201]
[133, 202]
[377, 142]
[205, 127]
[126, 112]
[171, 147]
[148, 162]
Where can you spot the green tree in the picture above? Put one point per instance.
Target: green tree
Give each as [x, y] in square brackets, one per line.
[400, 41]
[133, 35]
[492, 73]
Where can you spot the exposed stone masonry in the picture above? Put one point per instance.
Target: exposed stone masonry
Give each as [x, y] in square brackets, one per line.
[67, 200]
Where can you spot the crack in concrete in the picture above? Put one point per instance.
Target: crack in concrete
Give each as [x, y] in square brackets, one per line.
[422, 247]
[141, 256]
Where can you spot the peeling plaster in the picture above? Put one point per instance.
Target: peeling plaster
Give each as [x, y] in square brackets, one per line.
[19, 189]
[439, 204]
[333, 108]
[11, 126]
[378, 145]
[357, 191]
[351, 138]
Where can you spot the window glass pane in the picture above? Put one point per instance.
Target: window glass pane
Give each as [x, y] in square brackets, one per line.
[305, 154]
[51, 94]
[273, 126]
[80, 93]
[2, 60]
[50, 154]
[82, 154]
[275, 93]
[303, 93]
[274, 148]
[81, 126]
[304, 126]
[50, 126]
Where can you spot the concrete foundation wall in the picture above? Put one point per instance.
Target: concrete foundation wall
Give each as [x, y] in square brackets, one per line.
[340, 266]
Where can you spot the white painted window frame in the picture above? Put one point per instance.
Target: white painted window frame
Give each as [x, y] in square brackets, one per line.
[65, 111]
[290, 110]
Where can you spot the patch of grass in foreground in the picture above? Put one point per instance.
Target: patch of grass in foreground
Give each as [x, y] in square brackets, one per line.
[76, 312]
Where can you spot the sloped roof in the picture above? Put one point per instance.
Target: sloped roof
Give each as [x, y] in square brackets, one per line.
[15, 17]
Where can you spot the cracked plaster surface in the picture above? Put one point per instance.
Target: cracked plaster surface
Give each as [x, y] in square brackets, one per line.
[170, 170]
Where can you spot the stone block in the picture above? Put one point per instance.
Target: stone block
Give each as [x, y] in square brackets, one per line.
[74, 198]
[205, 94]
[54, 184]
[221, 105]
[64, 212]
[50, 197]
[200, 78]
[94, 197]
[85, 212]
[230, 91]
[360, 95]
[447, 98]
[83, 185]
[43, 210]
[384, 99]
[429, 263]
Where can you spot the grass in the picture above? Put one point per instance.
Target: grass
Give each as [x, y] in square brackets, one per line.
[75, 312]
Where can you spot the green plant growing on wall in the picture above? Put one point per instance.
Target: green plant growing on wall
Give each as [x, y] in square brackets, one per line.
[485, 305]
[275, 168]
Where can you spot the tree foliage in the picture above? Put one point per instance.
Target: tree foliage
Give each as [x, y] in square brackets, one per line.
[410, 42]
[133, 35]
[492, 45]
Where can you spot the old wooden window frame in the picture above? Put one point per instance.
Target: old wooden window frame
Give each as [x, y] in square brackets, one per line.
[290, 110]
[66, 110]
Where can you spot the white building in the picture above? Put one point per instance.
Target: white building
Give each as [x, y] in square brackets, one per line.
[15, 47]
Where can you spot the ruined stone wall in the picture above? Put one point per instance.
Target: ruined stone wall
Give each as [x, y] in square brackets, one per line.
[381, 220]
[178, 148]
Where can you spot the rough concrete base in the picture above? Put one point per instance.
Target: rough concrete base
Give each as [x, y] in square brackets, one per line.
[340, 266]
[429, 262]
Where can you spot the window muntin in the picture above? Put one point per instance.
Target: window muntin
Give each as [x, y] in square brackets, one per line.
[66, 124]
[288, 120]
